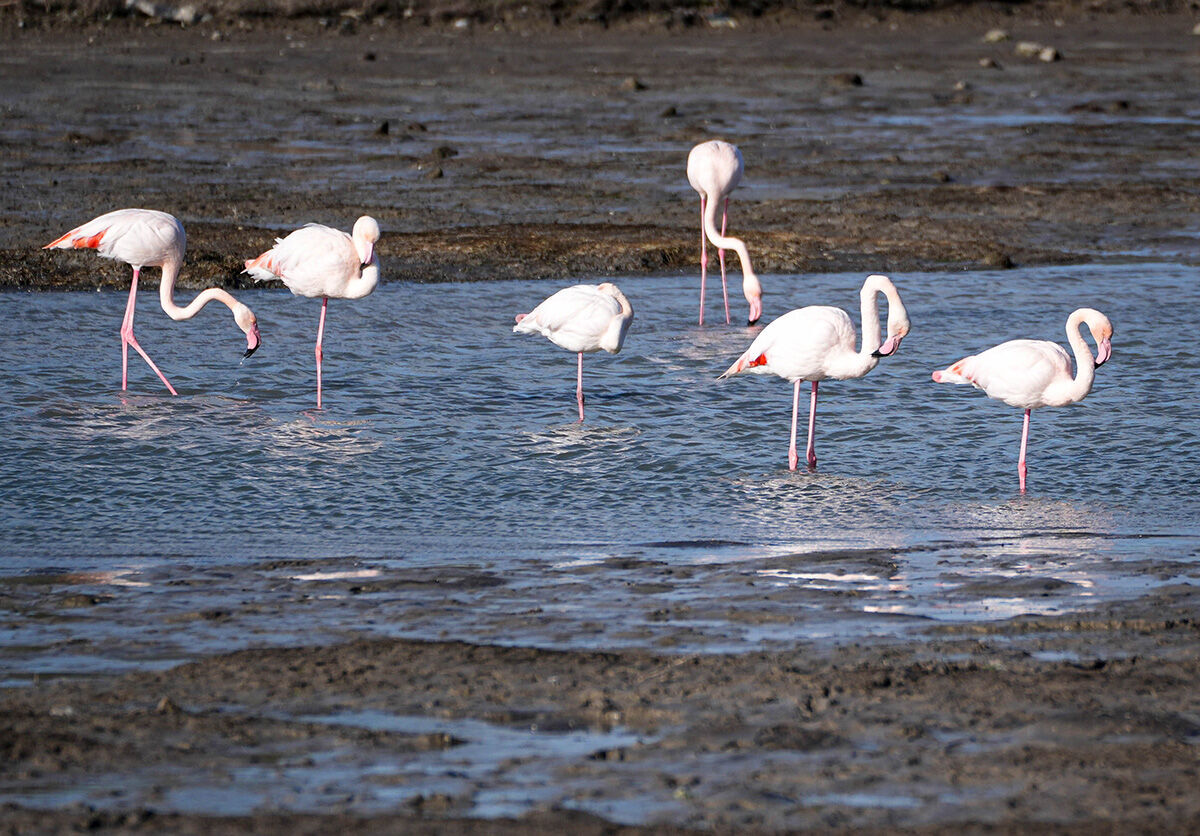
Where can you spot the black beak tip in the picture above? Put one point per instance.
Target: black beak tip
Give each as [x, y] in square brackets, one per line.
[751, 322]
[876, 354]
[250, 351]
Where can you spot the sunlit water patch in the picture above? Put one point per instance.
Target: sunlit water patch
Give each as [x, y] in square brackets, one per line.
[446, 491]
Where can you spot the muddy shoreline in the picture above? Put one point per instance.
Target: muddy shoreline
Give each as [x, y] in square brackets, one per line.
[1035, 724]
[874, 142]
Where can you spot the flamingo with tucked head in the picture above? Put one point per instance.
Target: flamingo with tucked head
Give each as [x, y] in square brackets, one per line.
[148, 238]
[817, 343]
[714, 169]
[583, 319]
[1030, 374]
[318, 260]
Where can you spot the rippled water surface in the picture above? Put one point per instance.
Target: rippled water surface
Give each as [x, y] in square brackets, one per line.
[445, 490]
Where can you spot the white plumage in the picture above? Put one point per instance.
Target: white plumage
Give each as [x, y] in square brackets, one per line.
[583, 318]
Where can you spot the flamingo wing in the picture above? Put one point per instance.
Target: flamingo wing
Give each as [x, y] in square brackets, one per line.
[315, 260]
[139, 237]
[798, 345]
[1017, 372]
[574, 318]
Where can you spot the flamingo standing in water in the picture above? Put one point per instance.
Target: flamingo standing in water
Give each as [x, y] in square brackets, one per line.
[1034, 373]
[147, 238]
[714, 169]
[817, 343]
[317, 260]
[583, 318]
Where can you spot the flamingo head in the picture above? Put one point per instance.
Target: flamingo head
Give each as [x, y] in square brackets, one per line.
[245, 319]
[896, 332]
[753, 292]
[366, 233]
[1102, 332]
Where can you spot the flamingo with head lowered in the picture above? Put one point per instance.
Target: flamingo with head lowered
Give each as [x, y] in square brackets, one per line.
[317, 260]
[817, 343]
[714, 169]
[1030, 374]
[148, 238]
[583, 318]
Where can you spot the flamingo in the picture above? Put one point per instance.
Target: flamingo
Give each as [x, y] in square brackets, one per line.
[148, 238]
[817, 343]
[714, 169]
[582, 318]
[1034, 373]
[318, 260]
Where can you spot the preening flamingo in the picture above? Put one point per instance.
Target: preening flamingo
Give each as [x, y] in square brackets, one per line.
[817, 343]
[714, 169]
[1029, 374]
[148, 238]
[317, 260]
[583, 318]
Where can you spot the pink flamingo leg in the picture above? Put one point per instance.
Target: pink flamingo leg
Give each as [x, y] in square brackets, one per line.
[579, 387]
[721, 257]
[793, 459]
[812, 425]
[703, 258]
[127, 339]
[1024, 443]
[320, 340]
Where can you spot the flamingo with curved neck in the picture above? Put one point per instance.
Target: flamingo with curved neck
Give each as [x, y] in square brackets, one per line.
[1030, 374]
[714, 169]
[319, 261]
[817, 343]
[148, 238]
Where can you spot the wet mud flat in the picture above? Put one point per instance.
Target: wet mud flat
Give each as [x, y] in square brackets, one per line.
[880, 141]
[1042, 724]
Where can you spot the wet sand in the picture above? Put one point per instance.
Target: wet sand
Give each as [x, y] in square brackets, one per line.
[1068, 724]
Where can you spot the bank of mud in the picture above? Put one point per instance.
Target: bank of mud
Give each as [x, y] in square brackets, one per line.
[890, 143]
[1064, 724]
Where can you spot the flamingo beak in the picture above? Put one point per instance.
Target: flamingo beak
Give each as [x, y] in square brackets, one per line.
[891, 346]
[253, 341]
[1104, 352]
[755, 311]
[369, 254]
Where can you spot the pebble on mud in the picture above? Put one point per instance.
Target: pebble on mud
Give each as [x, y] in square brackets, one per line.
[990, 64]
[845, 80]
[995, 36]
[997, 259]
[632, 83]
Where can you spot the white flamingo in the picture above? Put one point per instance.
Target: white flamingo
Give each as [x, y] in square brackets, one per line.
[1029, 374]
[817, 343]
[148, 238]
[714, 169]
[317, 260]
[583, 318]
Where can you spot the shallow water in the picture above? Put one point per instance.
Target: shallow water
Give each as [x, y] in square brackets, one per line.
[446, 492]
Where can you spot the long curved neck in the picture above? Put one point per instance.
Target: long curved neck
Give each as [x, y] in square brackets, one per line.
[166, 295]
[871, 339]
[1085, 363]
[728, 243]
[366, 281]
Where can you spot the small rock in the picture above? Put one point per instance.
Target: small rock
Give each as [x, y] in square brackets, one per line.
[846, 80]
[1028, 49]
[990, 64]
[370, 56]
[166, 706]
[443, 152]
[719, 21]
[462, 23]
[1049, 55]
[632, 83]
[382, 130]
[998, 260]
[942, 177]
[669, 113]
[962, 85]
[435, 173]
[995, 36]
[62, 711]
[1196, 29]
